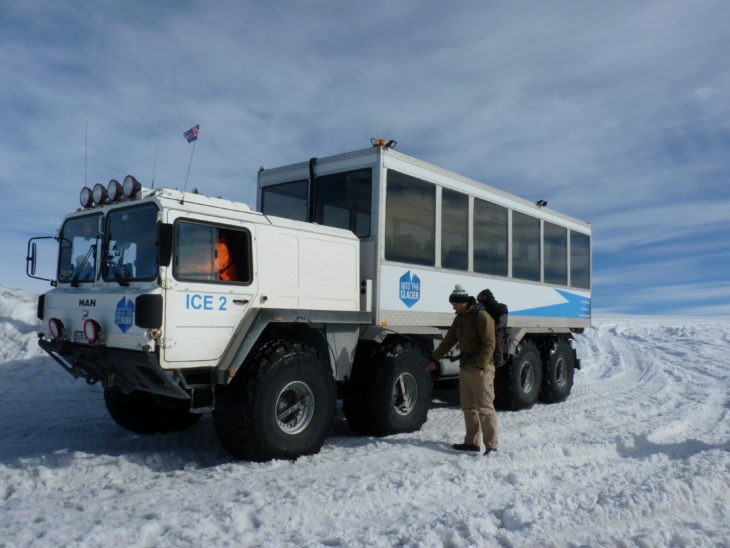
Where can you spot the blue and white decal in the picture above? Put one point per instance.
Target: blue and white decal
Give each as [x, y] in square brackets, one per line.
[573, 306]
[410, 289]
[124, 315]
[428, 291]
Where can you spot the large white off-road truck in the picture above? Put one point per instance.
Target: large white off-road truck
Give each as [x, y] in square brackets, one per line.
[180, 303]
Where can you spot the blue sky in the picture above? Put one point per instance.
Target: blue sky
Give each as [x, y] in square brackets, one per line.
[617, 113]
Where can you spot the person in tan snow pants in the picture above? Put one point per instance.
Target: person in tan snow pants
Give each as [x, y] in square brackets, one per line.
[473, 330]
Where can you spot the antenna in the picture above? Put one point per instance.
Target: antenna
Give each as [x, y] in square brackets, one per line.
[154, 165]
[189, 164]
[86, 149]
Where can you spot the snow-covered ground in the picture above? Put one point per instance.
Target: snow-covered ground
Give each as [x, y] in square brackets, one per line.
[638, 455]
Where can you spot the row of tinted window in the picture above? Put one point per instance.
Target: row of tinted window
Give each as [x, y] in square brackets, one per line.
[204, 253]
[342, 200]
[410, 228]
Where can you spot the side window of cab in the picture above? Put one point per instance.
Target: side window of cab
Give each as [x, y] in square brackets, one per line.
[211, 253]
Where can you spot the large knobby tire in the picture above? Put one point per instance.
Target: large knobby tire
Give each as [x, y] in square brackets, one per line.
[557, 380]
[280, 405]
[389, 391]
[146, 413]
[519, 381]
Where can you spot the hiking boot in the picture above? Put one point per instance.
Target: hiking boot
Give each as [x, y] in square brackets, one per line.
[465, 447]
[488, 450]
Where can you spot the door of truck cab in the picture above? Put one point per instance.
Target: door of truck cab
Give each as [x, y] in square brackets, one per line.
[209, 286]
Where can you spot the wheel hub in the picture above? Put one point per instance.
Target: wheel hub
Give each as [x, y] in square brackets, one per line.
[561, 372]
[527, 377]
[294, 407]
[405, 394]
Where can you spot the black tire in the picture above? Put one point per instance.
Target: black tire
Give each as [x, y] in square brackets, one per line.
[519, 381]
[288, 376]
[146, 413]
[389, 391]
[557, 380]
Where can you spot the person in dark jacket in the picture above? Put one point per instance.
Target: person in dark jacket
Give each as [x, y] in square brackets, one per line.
[473, 330]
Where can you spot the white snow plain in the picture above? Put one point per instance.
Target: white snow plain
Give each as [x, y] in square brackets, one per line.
[638, 455]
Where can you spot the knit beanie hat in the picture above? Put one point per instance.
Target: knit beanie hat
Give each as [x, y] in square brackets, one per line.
[459, 295]
[486, 297]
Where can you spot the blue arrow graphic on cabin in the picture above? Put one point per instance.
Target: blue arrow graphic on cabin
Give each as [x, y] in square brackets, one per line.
[575, 306]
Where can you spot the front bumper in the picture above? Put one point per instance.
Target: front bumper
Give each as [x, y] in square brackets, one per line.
[128, 370]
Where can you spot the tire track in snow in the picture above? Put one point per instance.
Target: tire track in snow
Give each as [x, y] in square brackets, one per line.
[613, 377]
[623, 370]
[618, 460]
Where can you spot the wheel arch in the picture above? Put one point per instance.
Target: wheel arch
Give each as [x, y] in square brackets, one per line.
[262, 326]
[543, 338]
[425, 338]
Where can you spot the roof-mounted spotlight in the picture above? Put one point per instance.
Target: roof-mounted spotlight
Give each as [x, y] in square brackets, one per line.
[114, 190]
[391, 143]
[99, 194]
[85, 197]
[131, 187]
[541, 203]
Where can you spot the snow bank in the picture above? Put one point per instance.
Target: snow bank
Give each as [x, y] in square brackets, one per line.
[638, 455]
[18, 325]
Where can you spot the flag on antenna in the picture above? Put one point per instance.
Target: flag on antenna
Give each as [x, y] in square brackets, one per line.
[192, 134]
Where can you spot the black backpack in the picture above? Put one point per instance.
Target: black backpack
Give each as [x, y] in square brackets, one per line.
[499, 313]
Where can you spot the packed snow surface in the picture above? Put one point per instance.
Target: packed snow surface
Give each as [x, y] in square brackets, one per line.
[638, 455]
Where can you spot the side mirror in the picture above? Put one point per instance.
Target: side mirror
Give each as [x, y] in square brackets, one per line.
[31, 258]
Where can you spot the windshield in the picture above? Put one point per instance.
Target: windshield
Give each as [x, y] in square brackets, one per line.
[131, 244]
[77, 258]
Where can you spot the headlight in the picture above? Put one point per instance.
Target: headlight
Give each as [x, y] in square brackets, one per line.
[55, 326]
[99, 194]
[114, 190]
[85, 198]
[131, 187]
[91, 331]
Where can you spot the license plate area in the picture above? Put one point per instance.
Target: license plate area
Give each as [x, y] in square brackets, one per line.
[79, 337]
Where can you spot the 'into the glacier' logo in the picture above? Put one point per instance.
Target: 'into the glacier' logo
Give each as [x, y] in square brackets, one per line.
[410, 289]
[124, 315]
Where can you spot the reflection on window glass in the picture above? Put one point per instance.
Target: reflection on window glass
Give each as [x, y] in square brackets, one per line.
[454, 230]
[209, 253]
[490, 238]
[77, 259]
[131, 246]
[556, 254]
[288, 200]
[410, 220]
[343, 200]
[525, 247]
[580, 260]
